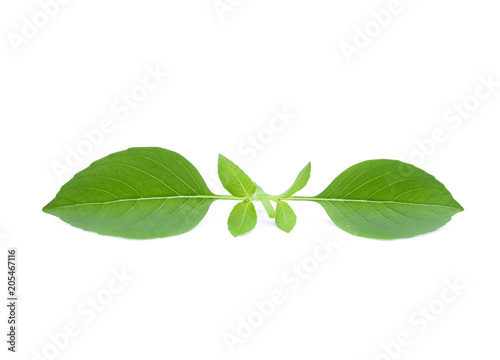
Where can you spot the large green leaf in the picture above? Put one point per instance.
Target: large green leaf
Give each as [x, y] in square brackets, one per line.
[299, 182]
[242, 218]
[139, 193]
[234, 179]
[387, 199]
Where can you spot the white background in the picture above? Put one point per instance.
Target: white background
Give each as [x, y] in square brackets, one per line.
[227, 75]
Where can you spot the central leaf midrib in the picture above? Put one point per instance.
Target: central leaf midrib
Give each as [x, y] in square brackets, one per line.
[239, 181]
[367, 201]
[144, 198]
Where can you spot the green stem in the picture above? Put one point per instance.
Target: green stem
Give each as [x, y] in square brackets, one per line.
[266, 199]
[260, 195]
[263, 197]
[301, 198]
[229, 197]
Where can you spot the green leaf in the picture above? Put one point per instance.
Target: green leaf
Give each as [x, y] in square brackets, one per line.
[139, 193]
[299, 182]
[387, 199]
[234, 179]
[285, 217]
[242, 218]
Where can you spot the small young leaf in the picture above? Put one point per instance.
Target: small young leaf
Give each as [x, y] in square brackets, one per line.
[299, 182]
[234, 179]
[139, 193]
[242, 218]
[285, 217]
[387, 199]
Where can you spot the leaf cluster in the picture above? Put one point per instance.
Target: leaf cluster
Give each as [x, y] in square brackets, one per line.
[144, 193]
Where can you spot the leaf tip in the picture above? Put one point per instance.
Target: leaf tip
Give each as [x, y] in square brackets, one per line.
[234, 234]
[456, 205]
[222, 157]
[47, 208]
